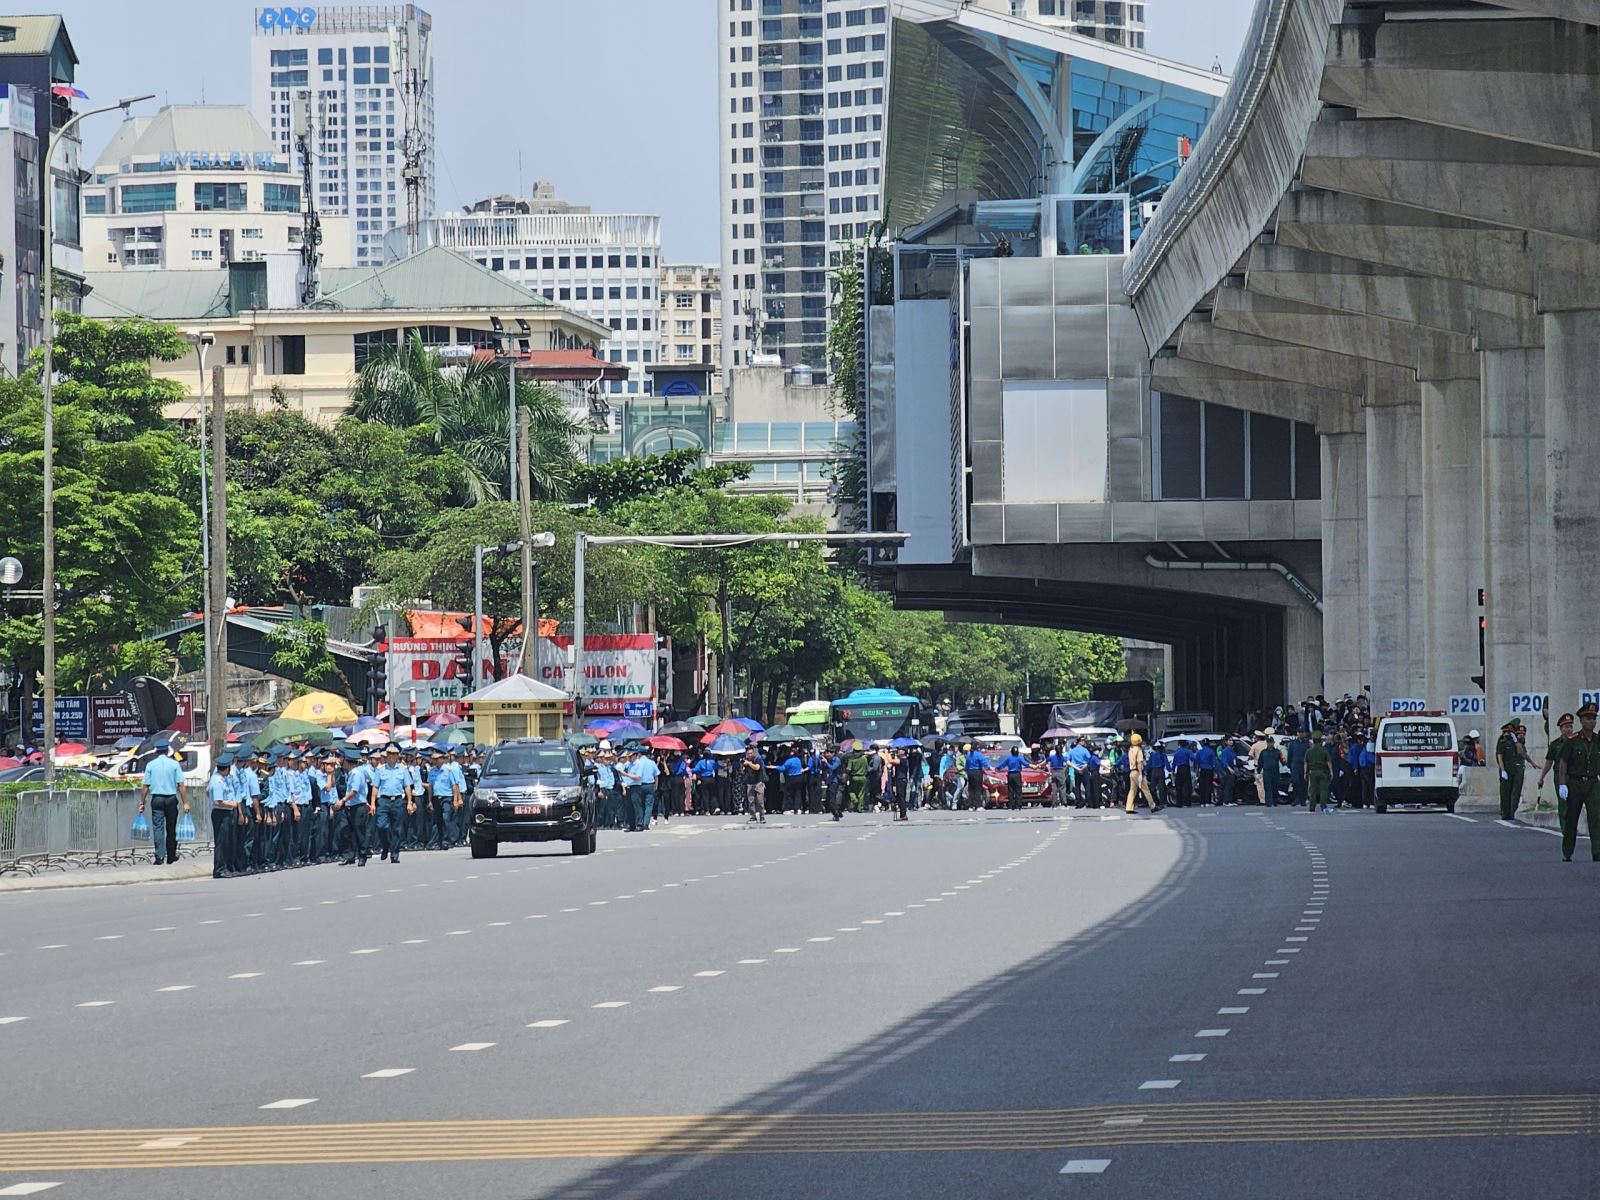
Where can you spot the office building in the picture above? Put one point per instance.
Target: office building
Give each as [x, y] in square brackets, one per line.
[690, 320]
[36, 59]
[802, 86]
[604, 266]
[194, 188]
[351, 63]
[1115, 21]
[276, 351]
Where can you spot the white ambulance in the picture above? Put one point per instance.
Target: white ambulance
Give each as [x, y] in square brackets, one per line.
[1419, 761]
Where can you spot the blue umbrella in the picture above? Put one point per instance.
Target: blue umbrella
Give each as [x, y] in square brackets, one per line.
[750, 723]
[628, 731]
[903, 743]
[726, 744]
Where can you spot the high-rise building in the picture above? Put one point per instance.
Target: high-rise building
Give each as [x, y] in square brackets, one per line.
[802, 86]
[36, 59]
[1119, 22]
[195, 188]
[355, 65]
[691, 318]
[607, 267]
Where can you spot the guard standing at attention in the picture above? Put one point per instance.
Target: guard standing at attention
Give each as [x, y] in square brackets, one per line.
[1319, 770]
[1510, 758]
[224, 798]
[393, 785]
[1578, 783]
[355, 809]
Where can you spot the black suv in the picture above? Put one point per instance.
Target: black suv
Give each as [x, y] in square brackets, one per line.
[533, 790]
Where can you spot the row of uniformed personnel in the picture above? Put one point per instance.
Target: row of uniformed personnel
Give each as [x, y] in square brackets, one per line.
[297, 807]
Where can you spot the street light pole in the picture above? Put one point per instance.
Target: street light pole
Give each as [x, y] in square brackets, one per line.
[49, 581]
[511, 425]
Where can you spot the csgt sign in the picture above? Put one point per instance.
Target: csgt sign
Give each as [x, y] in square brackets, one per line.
[286, 18]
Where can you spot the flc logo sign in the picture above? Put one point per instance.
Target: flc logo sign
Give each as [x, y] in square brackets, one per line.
[286, 18]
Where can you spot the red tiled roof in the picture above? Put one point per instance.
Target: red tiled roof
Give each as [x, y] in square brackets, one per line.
[446, 626]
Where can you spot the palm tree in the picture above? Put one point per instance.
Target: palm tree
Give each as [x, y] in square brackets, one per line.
[461, 407]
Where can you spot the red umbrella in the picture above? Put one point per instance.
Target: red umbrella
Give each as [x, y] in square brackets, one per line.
[7, 763]
[665, 742]
[732, 728]
[440, 720]
[68, 749]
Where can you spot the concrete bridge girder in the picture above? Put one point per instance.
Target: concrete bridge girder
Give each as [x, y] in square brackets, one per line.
[1328, 410]
[1460, 174]
[1202, 340]
[1377, 290]
[1531, 81]
[1400, 343]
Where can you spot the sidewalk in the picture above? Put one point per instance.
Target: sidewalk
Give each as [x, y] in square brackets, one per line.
[69, 876]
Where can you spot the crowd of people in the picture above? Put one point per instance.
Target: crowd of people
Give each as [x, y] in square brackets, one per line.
[296, 806]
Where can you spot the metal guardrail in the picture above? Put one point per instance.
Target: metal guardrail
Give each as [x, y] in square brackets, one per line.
[77, 827]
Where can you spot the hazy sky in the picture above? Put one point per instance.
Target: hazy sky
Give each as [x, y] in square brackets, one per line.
[615, 101]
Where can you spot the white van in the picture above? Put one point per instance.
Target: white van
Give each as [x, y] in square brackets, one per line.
[1419, 761]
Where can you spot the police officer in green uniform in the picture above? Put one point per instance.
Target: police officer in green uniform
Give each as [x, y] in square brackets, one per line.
[1510, 758]
[1319, 769]
[1566, 725]
[1578, 784]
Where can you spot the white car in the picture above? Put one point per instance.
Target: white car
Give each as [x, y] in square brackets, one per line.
[1419, 761]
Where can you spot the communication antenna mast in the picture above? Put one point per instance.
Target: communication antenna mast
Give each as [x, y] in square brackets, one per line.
[411, 49]
[310, 223]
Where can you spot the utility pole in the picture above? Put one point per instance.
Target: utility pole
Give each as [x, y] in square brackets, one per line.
[514, 425]
[530, 609]
[216, 632]
[580, 545]
[725, 614]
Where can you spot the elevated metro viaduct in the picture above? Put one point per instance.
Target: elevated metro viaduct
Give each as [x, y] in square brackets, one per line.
[1389, 233]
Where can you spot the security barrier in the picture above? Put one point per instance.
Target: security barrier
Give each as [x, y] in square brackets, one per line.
[77, 827]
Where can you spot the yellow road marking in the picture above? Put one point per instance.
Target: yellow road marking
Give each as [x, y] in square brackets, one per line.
[1193, 1123]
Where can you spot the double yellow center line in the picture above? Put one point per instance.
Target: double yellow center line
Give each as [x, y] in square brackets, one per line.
[1354, 1119]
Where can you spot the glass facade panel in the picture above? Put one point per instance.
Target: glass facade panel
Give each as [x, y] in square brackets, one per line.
[1271, 457]
[785, 436]
[1307, 463]
[147, 197]
[1224, 453]
[820, 435]
[1180, 448]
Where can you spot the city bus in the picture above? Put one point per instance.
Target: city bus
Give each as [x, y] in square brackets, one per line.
[879, 714]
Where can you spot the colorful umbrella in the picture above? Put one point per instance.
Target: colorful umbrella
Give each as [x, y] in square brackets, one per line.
[705, 721]
[732, 728]
[750, 723]
[791, 733]
[601, 726]
[582, 740]
[461, 734]
[369, 737]
[440, 720]
[68, 91]
[903, 743]
[725, 744]
[319, 708]
[628, 731]
[712, 736]
[7, 763]
[1059, 731]
[367, 722]
[68, 749]
[682, 729]
[287, 729]
[663, 742]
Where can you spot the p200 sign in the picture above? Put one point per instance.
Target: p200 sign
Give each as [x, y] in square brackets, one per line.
[286, 18]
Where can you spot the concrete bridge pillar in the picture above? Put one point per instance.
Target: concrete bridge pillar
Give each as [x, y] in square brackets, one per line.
[1572, 502]
[1452, 536]
[1345, 644]
[1515, 533]
[1394, 551]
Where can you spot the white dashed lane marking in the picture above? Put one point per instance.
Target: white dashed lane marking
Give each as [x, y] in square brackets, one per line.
[545, 1024]
[470, 1046]
[1086, 1166]
[27, 1189]
[1155, 1085]
[11, 1020]
[389, 1073]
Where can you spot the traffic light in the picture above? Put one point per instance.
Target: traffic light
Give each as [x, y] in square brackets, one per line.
[378, 671]
[466, 668]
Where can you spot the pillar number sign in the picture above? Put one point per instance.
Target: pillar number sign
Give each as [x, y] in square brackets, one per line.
[1399, 705]
[1589, 696]
[1468, 706]
[1526, 704]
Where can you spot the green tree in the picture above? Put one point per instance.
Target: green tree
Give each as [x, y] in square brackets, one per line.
[463, 408]
[312, 507]
[127, 542]
[607, 486]
[300, 651]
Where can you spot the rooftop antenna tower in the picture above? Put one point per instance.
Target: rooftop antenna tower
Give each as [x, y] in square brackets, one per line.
[310, 224]
[411, 48]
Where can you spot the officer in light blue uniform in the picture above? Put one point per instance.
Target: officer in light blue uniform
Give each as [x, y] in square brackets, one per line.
[355, 810]
[223, 795]
[446, 788]
[392, 782]
[256, 777]
[418, 820]
[605, 781]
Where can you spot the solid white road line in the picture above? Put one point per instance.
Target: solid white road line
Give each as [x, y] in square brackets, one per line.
[292, 1103]
[168, 1143]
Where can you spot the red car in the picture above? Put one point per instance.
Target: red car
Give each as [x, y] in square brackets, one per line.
[1035, 783]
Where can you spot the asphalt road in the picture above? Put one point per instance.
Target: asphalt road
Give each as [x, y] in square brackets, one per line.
[1231, 1003]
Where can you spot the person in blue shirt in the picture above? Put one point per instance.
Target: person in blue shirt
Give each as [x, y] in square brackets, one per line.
[833, 777]
[1295, 756]
[446, 792]
[705, 775]
[224, 798]
[1056, 761]
[605, 784]
[1155, 773]
[1078, 759]
[1092, 777]
[1183, 774]
[1225, 762]
[1205, 761]
[257, 775]
[974, 763]
[162, 789]
[1366, 772]
[1268, 763]
[355, 810]
[642, 773]
[793, 770]
[1012, 764]
[392, 782]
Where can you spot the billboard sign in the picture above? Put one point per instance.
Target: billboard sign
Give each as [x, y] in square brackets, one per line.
[72, 718]
[618, 669]
[114, 717]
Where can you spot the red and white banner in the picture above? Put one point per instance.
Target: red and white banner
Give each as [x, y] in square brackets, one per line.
[618, 669]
